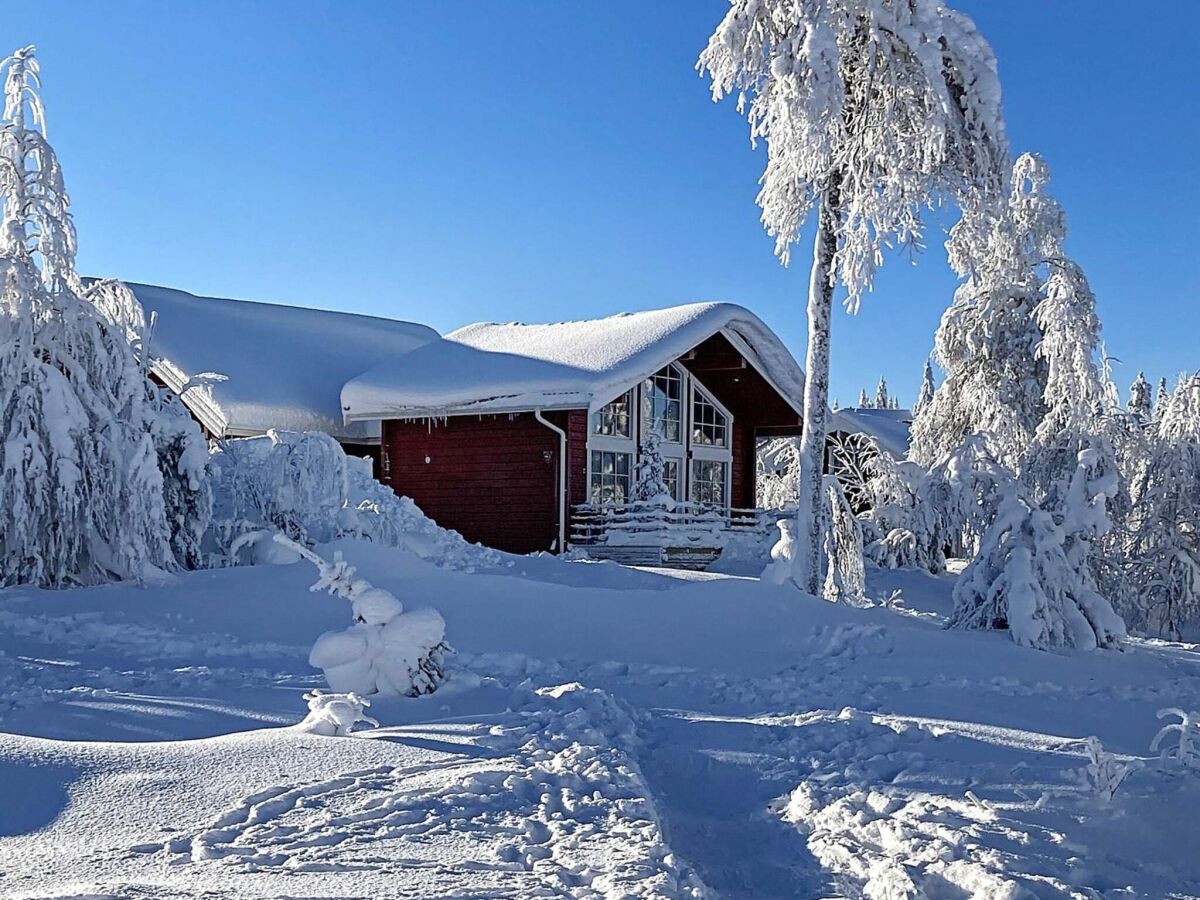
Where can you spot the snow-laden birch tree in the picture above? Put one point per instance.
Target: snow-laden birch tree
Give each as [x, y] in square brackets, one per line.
[871, 110]
[81, 481]
[988, 340]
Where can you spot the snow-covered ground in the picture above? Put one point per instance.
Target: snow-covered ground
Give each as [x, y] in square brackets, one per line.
[605, 732]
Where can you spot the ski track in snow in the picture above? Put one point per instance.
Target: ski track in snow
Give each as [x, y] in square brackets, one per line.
[835, 777]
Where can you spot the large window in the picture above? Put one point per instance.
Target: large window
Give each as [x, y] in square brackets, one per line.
[708, 481]
[610, 476]
[613, 420]
[710, 427]
[662, 403]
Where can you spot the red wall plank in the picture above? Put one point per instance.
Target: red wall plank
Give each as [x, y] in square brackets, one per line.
[487, 477]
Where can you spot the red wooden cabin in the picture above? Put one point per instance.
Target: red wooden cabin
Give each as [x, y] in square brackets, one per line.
[497, 431]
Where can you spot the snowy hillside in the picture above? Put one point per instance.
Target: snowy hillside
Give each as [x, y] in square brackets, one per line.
[786, 748]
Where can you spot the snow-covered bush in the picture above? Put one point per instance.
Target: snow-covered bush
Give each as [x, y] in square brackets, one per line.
[1105, 772]
[386, 650]
[902, 509]
[305, 486]
[98, 479]
[779, 569]
[1186, 749]
[777, 465]
[335, 715]
[1028, 577]
[895, 550]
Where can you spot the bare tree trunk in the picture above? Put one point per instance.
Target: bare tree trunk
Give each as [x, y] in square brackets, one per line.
[806, 567]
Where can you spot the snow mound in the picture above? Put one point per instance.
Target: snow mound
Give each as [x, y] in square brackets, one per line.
[304, 486]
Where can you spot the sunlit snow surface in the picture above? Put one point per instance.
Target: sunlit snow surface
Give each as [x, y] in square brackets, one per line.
[606, 732]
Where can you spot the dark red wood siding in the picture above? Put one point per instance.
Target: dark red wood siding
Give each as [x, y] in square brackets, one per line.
[491, 478]
[577, 432]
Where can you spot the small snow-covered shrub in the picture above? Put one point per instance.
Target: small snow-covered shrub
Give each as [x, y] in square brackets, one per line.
[304, 486]
[1186, 750]
[895, 550]
[779, 570]
[335, 715]
[1105, 772]
[386, 650]
[1031, 575]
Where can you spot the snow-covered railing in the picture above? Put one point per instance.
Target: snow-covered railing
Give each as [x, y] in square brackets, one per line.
[683, 523]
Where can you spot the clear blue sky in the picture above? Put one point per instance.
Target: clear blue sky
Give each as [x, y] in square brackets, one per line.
[451, 162]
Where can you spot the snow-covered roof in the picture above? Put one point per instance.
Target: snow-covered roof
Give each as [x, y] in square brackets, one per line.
[490, 367]
[285, 365]
[889, 427]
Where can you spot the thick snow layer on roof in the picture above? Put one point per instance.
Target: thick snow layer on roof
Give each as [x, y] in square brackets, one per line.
[490, 367]
[889, 427]
[285, 365]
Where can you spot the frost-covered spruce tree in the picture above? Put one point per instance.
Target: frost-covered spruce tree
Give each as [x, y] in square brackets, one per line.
[1140, 402]
[871, 110]
[988, 340]
[650, 484]
[1163, 552]
[864, 400]
[1162, 399]
[81, 490]
[882, 400]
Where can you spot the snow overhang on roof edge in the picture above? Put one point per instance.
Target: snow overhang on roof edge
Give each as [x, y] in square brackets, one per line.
[751, 337]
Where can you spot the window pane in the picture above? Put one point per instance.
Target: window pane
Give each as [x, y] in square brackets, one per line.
[613, 418]
[709, 425]
[671, 477]
[610, 477]
[708, 481]
[662, 404]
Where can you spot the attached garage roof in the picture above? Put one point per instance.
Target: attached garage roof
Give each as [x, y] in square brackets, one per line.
[284, 365]
[488, 367]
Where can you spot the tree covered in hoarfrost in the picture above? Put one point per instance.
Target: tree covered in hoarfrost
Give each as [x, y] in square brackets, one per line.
[650, 472]
[1161, 553]
[1162, 397]
[925, 395]
[882, 400]
[988, 341]
[1141, 403]
[864, 401]
[845, 576]
[871, 110]
[1031, 574]
[89, 487]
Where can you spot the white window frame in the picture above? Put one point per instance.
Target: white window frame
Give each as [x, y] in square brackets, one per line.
[706, 451]
[684, 399]
[683, 451]
[633, 411]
